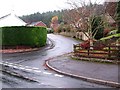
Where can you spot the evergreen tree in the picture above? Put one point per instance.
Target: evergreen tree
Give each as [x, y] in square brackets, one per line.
[118, 16]
[97, 27]
[44, 17]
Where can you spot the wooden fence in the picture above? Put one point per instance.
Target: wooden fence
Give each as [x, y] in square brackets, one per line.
[109, 52]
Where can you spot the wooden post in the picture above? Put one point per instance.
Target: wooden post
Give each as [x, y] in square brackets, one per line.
[79, 50]
[79, 47]
[118, 52]
[74, 47]
[109, 55]
[88, 52]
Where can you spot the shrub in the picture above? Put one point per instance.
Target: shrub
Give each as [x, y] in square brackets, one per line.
[22, 35]
[60, 28]
[85, 44]
[106, 32]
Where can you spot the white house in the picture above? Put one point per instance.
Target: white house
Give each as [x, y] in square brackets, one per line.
[11, 20]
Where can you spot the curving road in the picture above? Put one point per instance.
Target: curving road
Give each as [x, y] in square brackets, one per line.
[27, 70]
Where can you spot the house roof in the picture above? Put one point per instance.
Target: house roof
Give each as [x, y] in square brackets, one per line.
[4, 16]
[109, 18]
[39, 23]
[11, 20]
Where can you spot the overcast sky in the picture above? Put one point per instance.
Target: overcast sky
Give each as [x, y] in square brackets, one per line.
[24, 7]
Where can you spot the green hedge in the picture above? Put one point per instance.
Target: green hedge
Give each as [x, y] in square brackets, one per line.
[22, 35]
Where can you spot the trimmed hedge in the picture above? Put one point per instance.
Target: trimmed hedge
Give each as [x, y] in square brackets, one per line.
[23, 35]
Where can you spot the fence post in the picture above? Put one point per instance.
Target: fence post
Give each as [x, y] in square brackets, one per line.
[118, 52]
[88, 51]
[109, 55]
[74, 47]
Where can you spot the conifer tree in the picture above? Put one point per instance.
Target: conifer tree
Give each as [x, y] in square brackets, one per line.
[118, 16]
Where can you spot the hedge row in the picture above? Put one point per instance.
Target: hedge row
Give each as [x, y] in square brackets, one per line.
[22, 35]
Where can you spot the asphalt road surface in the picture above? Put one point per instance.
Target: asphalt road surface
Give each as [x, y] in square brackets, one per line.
[27, 70]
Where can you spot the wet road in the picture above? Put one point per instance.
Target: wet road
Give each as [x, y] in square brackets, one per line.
[27, 70]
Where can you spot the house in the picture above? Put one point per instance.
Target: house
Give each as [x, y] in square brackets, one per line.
[39, 23]
[111, 22]
[111, 7]
[11, 20]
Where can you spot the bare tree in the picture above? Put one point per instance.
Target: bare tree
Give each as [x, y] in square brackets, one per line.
[111, 8]
[82, 16]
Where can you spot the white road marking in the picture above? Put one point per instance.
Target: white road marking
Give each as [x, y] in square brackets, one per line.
[5, 64]
[35, 68]
[1, 63]
[47, 73]
[58, 75]
[28, 68]
[22, 68]
[42, 83]
[10, 65]
[15, 67]
[37, 71]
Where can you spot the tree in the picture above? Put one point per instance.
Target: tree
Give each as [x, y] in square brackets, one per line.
[82, 17]
[111, 8]
[97, 27]
[118, 22]
[54, 23]
[44, 17]
[118, 16]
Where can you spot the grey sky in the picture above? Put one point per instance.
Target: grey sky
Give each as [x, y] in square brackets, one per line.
[24, 7]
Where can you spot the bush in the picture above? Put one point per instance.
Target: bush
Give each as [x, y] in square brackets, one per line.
[106, 32]
[22, 35]
[60, 28]
[85, 44]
